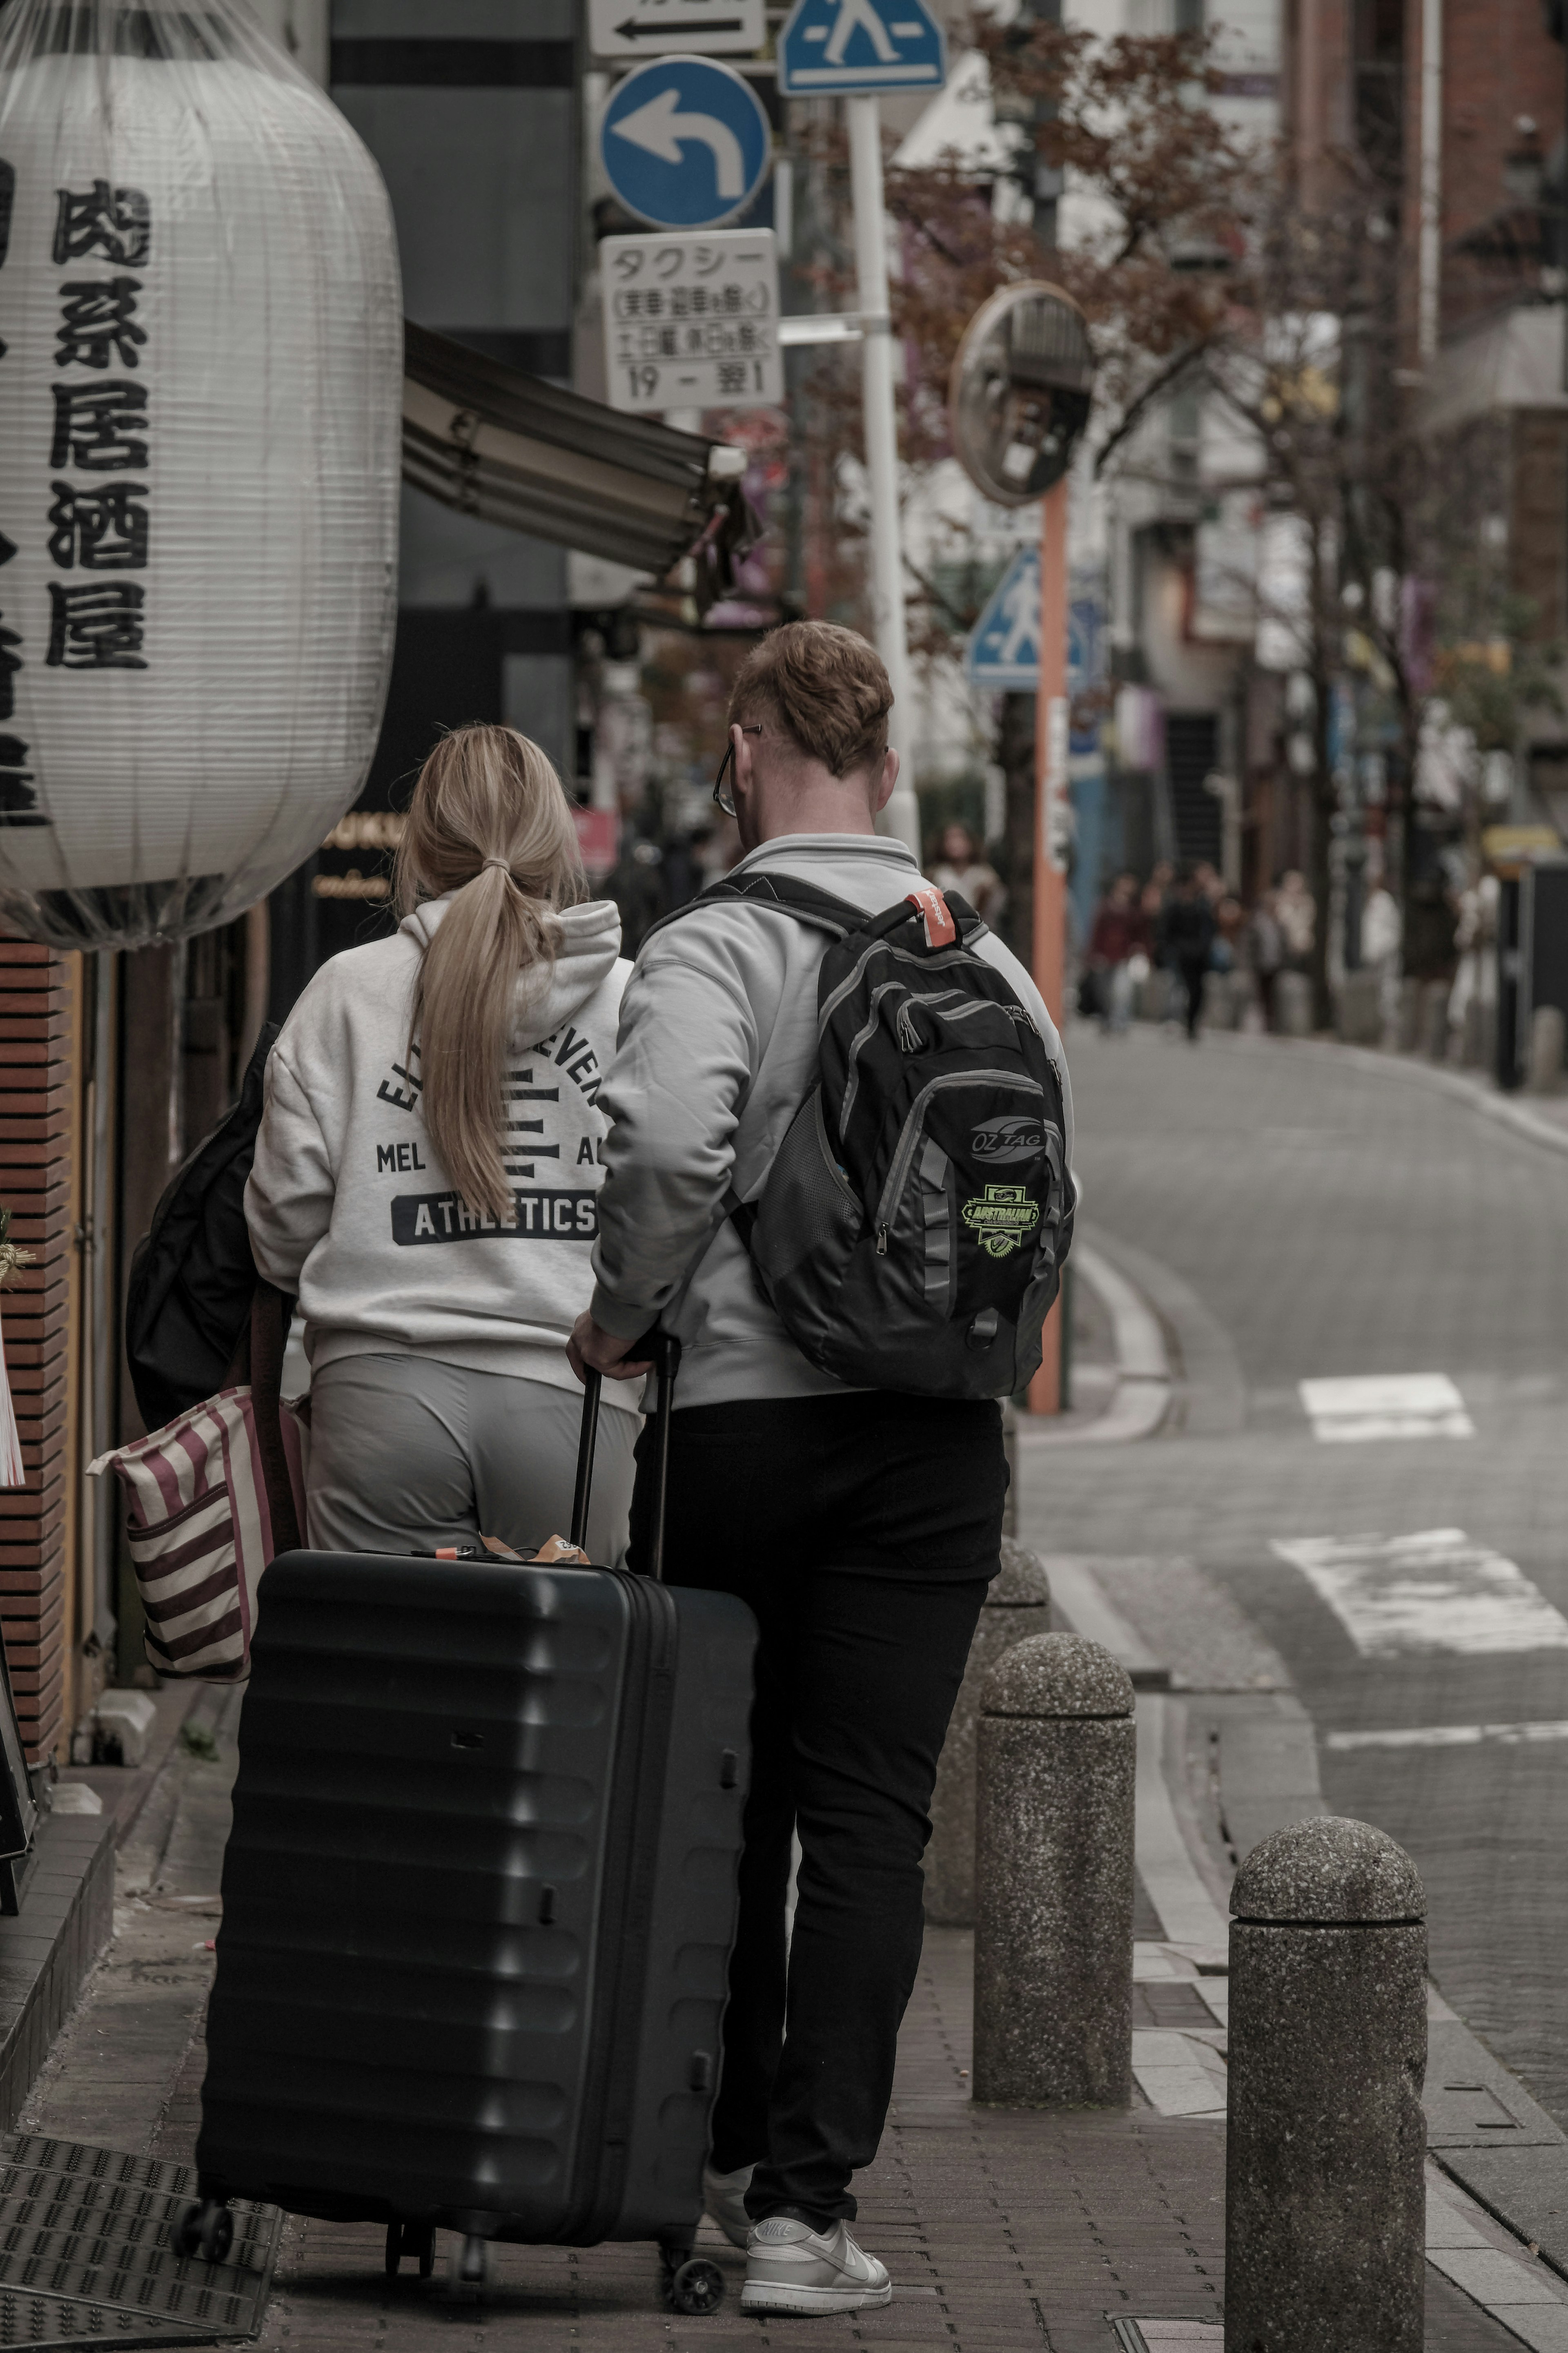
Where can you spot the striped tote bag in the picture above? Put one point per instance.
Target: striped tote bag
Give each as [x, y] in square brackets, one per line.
[201, 1527]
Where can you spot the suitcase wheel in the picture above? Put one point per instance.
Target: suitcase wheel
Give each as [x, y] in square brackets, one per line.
[695, 2286]
[206, 2230]
[467, 2268]
[417, 2239]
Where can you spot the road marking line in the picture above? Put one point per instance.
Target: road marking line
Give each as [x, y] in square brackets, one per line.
[1359, 1408]
[1450, 1735]
[1434, 1590]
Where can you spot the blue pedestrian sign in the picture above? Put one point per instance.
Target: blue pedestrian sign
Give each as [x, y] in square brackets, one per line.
[1005, 645]
[837, 47]
[685, 142]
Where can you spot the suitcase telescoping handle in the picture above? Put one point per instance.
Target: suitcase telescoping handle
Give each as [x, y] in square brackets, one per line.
[664, 1350]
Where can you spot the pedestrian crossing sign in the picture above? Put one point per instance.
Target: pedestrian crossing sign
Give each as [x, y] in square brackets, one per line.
[1005, 645]
[839, 48]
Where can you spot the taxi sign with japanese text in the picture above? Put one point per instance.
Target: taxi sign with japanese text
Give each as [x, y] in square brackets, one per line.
[691, 322]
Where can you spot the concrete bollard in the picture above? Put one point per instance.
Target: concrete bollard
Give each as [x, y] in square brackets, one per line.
[1016, 1605]
[1547, 1037]
[1053, 1913]
[1324, 2201]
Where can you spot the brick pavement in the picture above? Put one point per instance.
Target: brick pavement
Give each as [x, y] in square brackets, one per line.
[1001, 2228]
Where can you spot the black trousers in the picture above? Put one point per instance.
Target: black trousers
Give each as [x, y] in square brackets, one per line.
[862, 1531]
[1194, 971]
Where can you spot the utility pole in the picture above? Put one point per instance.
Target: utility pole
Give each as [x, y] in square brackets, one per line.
[1051, 723]
[901, 815]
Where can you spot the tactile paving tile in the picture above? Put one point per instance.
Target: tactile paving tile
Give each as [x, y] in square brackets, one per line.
[86, 2258]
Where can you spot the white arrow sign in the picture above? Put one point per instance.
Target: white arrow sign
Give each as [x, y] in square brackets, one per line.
[660, 128]
[658, 28]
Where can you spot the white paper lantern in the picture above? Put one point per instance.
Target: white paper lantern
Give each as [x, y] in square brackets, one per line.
[199, 456]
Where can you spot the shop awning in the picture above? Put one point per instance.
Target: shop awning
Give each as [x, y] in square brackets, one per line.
[518, 451]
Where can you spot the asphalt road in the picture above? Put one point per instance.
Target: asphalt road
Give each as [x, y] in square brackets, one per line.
[1302, 1214]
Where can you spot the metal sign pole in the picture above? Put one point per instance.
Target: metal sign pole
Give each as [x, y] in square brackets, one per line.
[1050, 867]
[901, 815]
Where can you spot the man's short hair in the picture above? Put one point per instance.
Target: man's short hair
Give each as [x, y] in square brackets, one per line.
[822, 685]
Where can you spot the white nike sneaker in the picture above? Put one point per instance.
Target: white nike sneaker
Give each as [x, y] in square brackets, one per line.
[790, 2267]
[724, 2201]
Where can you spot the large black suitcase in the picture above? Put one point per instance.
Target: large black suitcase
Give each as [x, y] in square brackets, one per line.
[478, 1901]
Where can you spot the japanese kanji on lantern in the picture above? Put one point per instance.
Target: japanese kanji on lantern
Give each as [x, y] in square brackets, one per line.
[200, 387]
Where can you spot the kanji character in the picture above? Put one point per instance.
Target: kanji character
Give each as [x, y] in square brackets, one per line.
[96, 322]
[97, 425]
[95, 628]
[115, 222]
[103, 530]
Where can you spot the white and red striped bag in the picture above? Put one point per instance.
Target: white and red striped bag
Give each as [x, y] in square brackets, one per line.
[209, 1499]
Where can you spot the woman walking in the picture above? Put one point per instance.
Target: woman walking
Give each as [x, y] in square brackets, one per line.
[426, 1176]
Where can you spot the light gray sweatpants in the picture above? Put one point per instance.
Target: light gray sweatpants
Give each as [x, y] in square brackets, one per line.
[408, 1453]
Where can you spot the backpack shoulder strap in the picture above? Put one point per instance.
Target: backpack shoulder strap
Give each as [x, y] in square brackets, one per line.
[837, 917]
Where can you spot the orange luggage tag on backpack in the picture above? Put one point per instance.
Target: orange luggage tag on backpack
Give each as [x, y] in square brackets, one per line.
[940, 931]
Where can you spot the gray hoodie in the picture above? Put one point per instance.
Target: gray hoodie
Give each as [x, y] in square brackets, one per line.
[349, 1206]
[718, 1047]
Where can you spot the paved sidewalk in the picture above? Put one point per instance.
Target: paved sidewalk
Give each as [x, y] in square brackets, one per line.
[1001, 2228]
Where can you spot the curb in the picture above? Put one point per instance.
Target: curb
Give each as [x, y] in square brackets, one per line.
[1143, 1376]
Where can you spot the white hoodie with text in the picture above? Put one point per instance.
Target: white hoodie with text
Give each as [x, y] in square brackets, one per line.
[349, 1206]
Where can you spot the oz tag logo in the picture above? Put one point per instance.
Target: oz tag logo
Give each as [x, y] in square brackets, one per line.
[1000, 1140]
[1000, 1217]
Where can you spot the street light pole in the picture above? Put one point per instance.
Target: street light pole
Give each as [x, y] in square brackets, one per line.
[1051, 726]
[901, 815]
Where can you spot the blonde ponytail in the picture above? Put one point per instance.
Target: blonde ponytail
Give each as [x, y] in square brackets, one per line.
[489, 823]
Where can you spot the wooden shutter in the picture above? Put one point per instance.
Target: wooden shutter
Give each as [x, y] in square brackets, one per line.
[36, 1132]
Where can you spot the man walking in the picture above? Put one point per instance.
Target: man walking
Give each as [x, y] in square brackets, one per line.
[861, 1526]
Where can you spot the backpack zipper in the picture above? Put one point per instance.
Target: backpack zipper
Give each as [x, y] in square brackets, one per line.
[897, 1174]
[937, 1003]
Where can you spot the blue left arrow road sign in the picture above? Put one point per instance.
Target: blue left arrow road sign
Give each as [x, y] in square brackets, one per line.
[685, 142]
[832, 47]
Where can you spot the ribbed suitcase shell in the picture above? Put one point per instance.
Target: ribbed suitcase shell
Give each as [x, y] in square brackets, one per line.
[478, 1898]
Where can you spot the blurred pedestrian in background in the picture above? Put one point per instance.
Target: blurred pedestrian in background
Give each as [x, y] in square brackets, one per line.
[1382, 935]
[960, 865]
[1155, 892]
[1119, 939]
[1265, 951]
[1295, 913]
[1187, 941]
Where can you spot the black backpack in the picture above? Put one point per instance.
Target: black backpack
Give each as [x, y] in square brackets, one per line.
[192, 1277]
[912, 1231]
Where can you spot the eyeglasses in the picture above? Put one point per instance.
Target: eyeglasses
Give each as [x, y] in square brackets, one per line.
[723, 791]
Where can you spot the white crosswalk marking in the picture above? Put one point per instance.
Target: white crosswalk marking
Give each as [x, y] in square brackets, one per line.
[1451, 1735]
[1360, 1406]
[1434, 1590]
